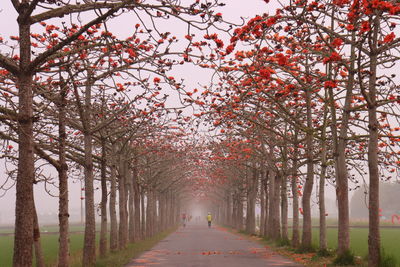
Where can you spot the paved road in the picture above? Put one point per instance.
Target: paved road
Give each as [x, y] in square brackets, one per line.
[198, 246]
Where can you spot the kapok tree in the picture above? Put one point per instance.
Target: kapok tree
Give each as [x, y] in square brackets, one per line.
[24, 67]
[313, 16]
[278, 78]
[71, 68]
[367, 29]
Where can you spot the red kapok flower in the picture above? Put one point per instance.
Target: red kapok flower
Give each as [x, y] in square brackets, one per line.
[389, 38]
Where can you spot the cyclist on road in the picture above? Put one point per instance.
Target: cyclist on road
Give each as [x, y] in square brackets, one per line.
[209, 218]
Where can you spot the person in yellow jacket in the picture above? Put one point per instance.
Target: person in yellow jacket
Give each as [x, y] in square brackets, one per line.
[209, 218]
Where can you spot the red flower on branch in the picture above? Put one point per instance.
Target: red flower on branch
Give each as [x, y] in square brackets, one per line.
[330, 84]
[389, 38]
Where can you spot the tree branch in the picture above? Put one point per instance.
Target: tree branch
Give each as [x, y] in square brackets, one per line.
[9, 64]
[16, 4]
[44, 56]
[69, 9]
[32, 7]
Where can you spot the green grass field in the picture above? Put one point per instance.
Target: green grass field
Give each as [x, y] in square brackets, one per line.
[50, 250]
[49, 245]
[359, 240]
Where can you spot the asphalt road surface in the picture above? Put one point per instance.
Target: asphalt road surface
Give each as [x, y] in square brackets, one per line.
[196, 246]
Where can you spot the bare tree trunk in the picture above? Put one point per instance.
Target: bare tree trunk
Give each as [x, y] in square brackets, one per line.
[89, 251]
[284, 209]
[342, 198]
[143, 212]
[131, 205]
[24, 205]
[123, 216]
[218, 213]
[162, 211]
[322, 212]
[170, 209]
[89, 247]
[175, 209]
[271, 206]
[262, 205]
[251, 203]
[321, 195]
[339, 148]
[151, 212]
[113, 198]
[156, 220]
[176, 212]
[276, 227]
[284, 197]
[374, 234]
[238, 219]
[225, 207]
[222, 212]
[229, 207]
[63, 214]
[373, 160]
[234, 210]
[166, 212]
[157, 212]
[306, 241]
[148, 213]
[103, 204]
[267, 204]
[295, 233]
[137, 203]
[36, 241]
[239, 214]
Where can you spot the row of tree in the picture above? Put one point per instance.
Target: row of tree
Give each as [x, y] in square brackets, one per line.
[308, 93]
[74, 96]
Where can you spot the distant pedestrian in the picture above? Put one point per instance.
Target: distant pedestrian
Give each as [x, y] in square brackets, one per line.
[183, 219]
[209, 218]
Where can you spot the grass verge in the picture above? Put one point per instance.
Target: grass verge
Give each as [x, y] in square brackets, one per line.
[306, 258]
[49, 247]
[50, 250]
[120, 258]
[347, 258]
